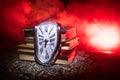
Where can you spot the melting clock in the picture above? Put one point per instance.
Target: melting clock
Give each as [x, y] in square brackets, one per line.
[47, 42]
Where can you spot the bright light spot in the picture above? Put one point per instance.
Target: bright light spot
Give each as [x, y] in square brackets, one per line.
[107, 52]
[102, 36]
[107, 38]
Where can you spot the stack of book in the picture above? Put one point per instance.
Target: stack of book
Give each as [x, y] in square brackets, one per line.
[26, 50]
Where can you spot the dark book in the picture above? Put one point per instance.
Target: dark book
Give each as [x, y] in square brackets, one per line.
[28, 32]
[28, 57]
[26, 50]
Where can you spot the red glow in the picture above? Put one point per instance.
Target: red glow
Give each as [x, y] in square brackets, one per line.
[106, 39]
[103, 36]
[18, 14]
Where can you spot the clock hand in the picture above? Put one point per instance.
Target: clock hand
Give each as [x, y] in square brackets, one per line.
[45, 43]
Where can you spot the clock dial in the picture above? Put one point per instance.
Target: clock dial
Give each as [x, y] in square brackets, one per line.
[47, 40]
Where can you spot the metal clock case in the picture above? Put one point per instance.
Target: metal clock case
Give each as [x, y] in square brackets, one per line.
[47, 42]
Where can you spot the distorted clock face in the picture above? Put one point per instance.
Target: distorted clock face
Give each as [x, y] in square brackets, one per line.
[47, 38]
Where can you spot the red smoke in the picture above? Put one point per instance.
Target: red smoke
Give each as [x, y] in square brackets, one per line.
[18, 14]
[101, 36]
[95, 22]
[92, 18]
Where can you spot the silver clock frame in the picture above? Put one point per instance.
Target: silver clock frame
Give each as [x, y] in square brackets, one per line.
[47, 42]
